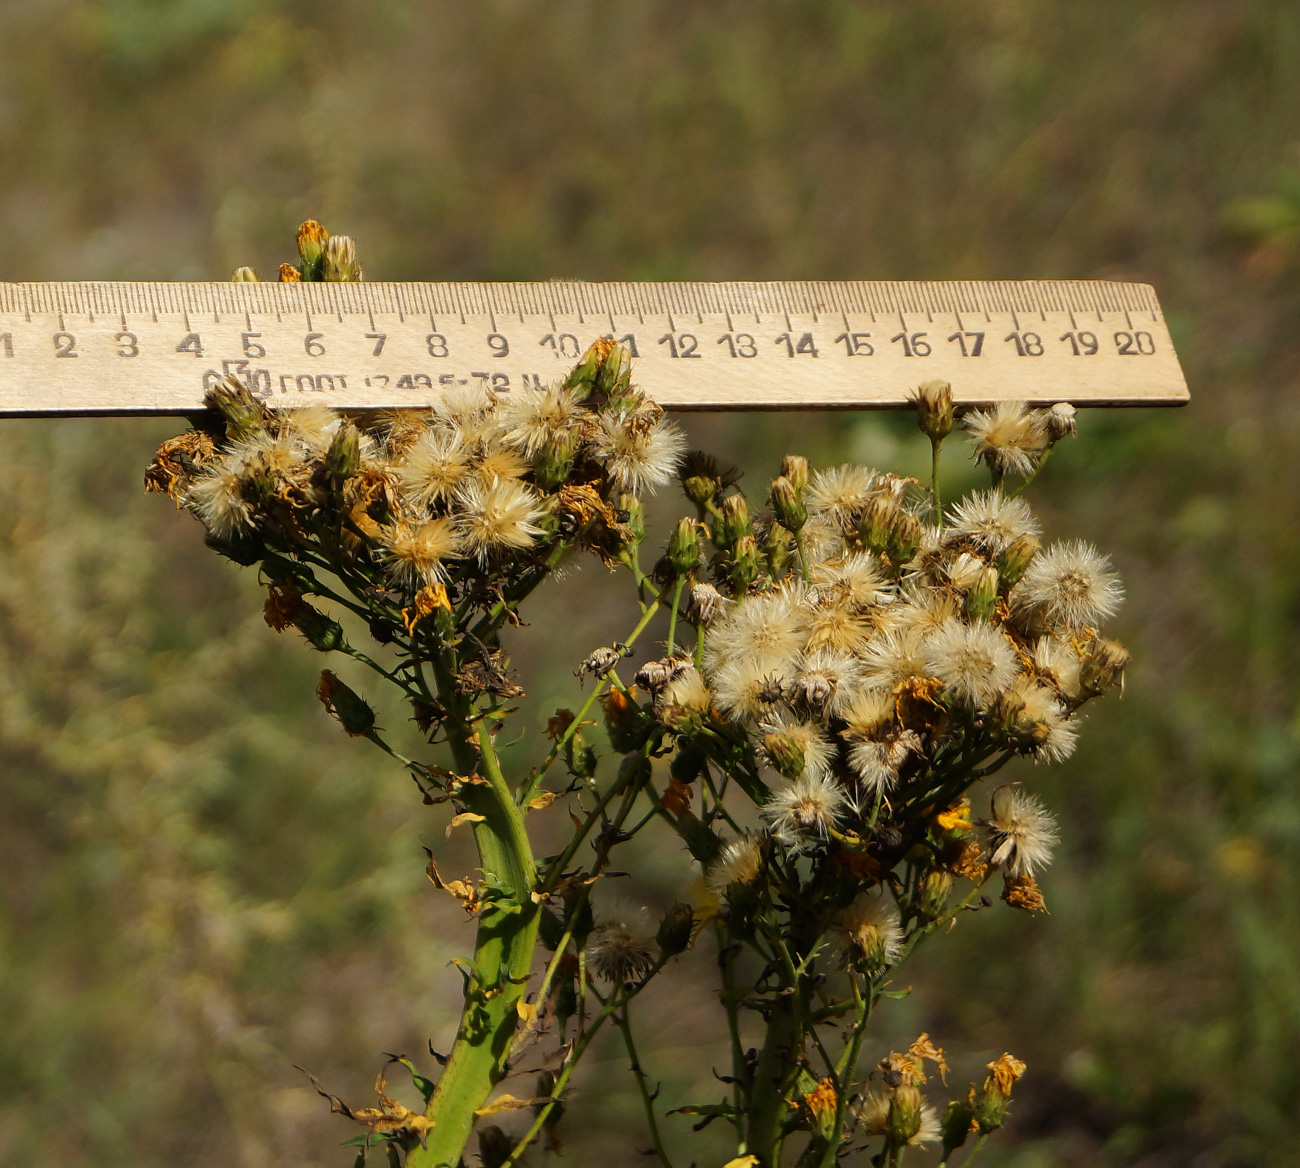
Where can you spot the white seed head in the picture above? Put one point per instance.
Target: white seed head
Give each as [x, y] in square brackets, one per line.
[826, 679]
[808, 738]
[618, 955]
[868, 931]
[855, 579]
[434, 466]
[685, 693]
[925, 609]
[313, 427]
[1021, 831]
[975, 662]
[1007, 438]
[640, 450]
[840, 493]
[496, 514]
[216, 499]
[417, 554]
[532, 419]
[804, 811]
[470, 410]
[1059, 663]
[894, 657]
[741, 862]
[771, 625]
[991, 520]
[751, 687]
[1070, 584]
[870, 762]
[868, 712]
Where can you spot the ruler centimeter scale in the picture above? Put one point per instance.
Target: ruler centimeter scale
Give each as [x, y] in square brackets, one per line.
[146, 348]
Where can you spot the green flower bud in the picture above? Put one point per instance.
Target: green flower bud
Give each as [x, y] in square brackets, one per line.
[746, 564]
[580, 757]
[554, 461]
[731, 522]
[582, 378]
[550, 929]
[339, 265]
[955, 1126]
[321, 631]
[245, 416]
[345, 704]
[794, 468]
[990, 1111]
[684, 552]
[614, 376]
[934, 412]
[312, 238]
[785, 755]
[904, 538]
[742, 904]
[790, 511]
[242, 548]
[982, 599]
[343, 458]
[904, 1115]
[1102, 666]
[630, 505]
[675, 929]
[698, 837]
[1016, 558]
[244, 276]
[932, 894]
[700, 490]
[876, 522]
[777, 546]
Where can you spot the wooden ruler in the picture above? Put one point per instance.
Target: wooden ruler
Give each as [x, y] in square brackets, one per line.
[145, 348]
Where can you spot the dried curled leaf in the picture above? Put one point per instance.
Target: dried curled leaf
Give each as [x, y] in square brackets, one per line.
[510, 1103]
[462, 890]
[464, 817]
[542, 801]
[390, 1120]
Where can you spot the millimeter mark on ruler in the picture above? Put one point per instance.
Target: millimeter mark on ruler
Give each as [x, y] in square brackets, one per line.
[144, 348]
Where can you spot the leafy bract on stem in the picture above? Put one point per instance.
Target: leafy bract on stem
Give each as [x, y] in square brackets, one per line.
[861, 660]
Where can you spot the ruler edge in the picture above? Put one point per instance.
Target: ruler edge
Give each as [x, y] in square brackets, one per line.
[299, 290]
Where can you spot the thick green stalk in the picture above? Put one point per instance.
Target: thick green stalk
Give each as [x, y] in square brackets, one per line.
[503, 958]
[768, 1107]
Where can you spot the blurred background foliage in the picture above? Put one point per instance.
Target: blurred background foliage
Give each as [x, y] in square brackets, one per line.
[202, 883]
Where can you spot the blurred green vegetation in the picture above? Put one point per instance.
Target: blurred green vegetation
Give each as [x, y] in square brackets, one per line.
[202, 884]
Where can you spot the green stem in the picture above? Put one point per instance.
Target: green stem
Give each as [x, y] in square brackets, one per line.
[615, 1002]
[804, 567]
[975, 1149]
[847, 1070]
[768, 1105]
[730, 1005]
[1042, 462]
[503, 957]
[672, 618]
[528, 788]
[935, 444]
[624, 1023]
